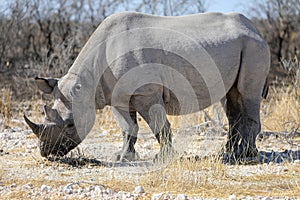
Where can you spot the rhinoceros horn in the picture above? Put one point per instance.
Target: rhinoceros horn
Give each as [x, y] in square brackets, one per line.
[36, 128]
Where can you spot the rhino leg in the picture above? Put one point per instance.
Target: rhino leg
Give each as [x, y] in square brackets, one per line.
[244, 125]
[154, 113]
[129, 126]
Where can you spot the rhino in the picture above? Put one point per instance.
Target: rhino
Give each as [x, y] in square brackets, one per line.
[157, 66]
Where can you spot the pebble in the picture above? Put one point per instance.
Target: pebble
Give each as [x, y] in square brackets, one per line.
[139, 190]
[68, 189]
[109, 191]
[91, 188]
[80, 190]
[46, 188]
[181, 197]
[28, 186]
[99, 189]
[121, 195]
[157, 196]
[266, 198]
[232, 197]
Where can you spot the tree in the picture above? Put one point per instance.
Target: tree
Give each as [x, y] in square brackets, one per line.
[43, 33]
[279, 22]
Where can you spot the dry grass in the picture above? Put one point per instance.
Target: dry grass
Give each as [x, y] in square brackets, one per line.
[282, 110]
[209, 177]
[6, 108]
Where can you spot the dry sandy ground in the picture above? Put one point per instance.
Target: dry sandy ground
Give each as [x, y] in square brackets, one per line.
[90, 172]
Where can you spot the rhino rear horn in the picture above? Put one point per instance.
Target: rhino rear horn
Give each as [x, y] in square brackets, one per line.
[36, 128]
[53, 115]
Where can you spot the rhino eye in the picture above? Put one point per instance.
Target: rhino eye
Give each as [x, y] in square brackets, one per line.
[76, 90]
[77, 87]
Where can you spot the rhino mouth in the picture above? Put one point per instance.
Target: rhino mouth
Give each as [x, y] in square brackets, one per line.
[55, 140]
[62, 149]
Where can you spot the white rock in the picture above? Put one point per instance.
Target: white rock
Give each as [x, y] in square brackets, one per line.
[181, 197]
[91, 188]
[157, 196]
[232, 197]
[249, 198]
[46, 188]
[98, 189]
[109, 191]
[80, 190]
[68, 189]
[28, 186]
[139, 190]
[13, 185]
[266, 198]
[121, 195]
[68, 186]
[169, 196]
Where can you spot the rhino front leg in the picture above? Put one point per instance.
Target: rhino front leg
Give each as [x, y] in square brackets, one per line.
[155, 116]
[128, 123]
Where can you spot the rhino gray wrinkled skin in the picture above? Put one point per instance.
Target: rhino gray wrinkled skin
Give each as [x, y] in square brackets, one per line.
[154, 66]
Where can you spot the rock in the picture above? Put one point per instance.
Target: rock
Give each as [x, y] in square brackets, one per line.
[121, 195]
[232, 197]
[99, 189]
[181, 197]
[139, 190]
[169, 196]
[91, 188]
[266, 198]
[109, 191]
[68, 189]
[157, 196]
[13, 130]
[46, 188]
[28, 186]
[249, 198]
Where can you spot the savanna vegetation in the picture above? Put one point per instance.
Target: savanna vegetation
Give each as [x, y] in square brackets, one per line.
[42, 38]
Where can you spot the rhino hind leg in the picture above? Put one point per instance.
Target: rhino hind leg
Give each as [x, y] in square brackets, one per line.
[244, 125]
[129, 126]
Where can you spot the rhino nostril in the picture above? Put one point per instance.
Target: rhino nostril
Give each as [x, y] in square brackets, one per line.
[70, 125]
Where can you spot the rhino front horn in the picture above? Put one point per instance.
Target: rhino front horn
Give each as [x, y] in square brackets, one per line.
[36, 128]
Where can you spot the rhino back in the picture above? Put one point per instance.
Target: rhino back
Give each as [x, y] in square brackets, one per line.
[204, 49]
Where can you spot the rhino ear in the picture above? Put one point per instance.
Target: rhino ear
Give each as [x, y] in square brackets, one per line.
[46, 84]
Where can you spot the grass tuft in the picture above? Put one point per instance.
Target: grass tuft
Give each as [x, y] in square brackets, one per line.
[6, 108]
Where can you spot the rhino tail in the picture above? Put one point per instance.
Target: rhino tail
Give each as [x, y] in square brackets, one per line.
[265, 89]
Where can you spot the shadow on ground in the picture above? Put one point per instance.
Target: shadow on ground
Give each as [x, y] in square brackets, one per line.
[279, 157]
[263, 157]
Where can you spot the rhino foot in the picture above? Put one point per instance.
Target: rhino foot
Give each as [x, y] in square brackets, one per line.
[165, 155]
[241, 156]
[127, 156]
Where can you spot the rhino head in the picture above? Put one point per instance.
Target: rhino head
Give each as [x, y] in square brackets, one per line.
[60, 133]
